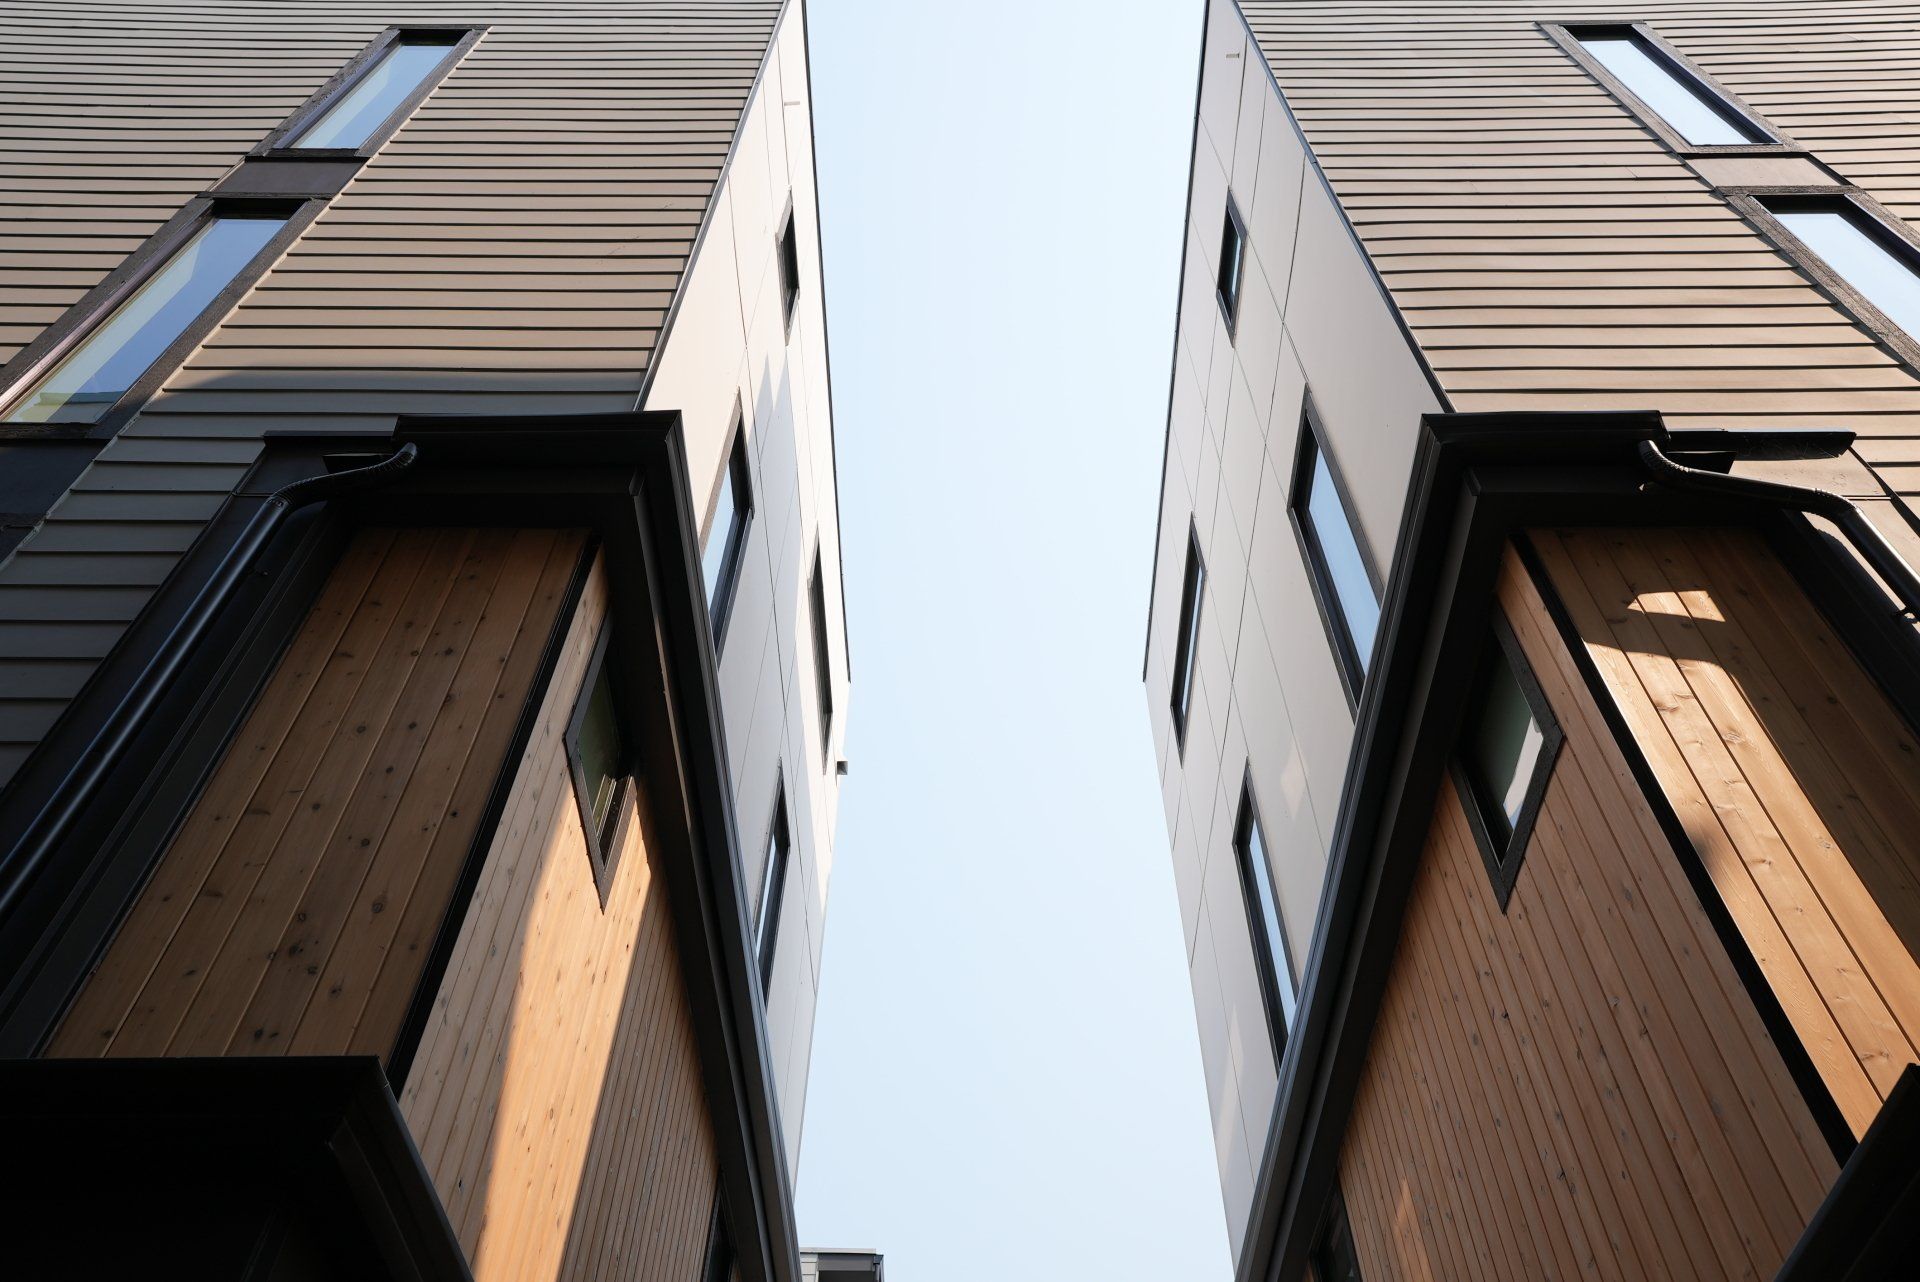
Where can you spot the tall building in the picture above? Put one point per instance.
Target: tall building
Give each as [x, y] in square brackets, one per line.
[423, 672]
[1531, 658]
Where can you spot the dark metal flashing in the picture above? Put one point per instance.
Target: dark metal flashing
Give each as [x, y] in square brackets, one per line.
[237, 1169]
[1721, 99]
[623, 476]
[1477, 479]
[1868, 1227]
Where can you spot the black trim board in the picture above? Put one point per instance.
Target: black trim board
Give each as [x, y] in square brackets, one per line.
[622, 475]
[1477, 478]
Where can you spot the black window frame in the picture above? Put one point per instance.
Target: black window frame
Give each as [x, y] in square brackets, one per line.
[786, 248]
[738, 473]
[604, 842]
[721, 1255]
[1227, 284]
[1272, 971]
[770, 901]
[1312, 446]
[822, 652]
[1725, 102]
[1333, 1241]
[80, 321]
[1758, 206]
[1186, 638]
[278, 145]
[1504, 856]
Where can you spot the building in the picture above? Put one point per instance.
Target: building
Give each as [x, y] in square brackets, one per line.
[423, 672]
[1531, 658]
[843, 1266]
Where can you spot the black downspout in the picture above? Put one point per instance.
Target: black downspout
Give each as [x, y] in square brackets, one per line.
[1867, 540]
[69, 800]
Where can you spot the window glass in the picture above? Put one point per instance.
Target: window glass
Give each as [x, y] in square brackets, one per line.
[822, 664]
[85, 385]
[363, 108]
[789, 267]
[726, 535]
[1346, 569]
[1183, 646]
[1857, 256]
[1679, 100]
[1233, 245]
[1269, 932]
[602, 753]
[773, 881]
[1504, 743]
[720, 537]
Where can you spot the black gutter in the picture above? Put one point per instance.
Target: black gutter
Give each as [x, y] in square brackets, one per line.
[74, 794]
[1861, 533]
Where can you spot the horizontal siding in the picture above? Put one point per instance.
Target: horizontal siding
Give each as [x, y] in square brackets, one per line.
[515, 247]
[1578, 1086]
[1550, 254]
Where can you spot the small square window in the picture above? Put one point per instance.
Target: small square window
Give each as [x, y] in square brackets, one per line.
[773, 886]
[726, 546]
[822, 658]
[1271, 957]
[601, 759]
[1337, 563]
[1192, 587]
[789, 248]
[1505, 757]
[1233, 253]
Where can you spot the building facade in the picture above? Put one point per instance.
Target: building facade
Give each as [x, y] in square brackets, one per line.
[1530, 658]
[423, 671]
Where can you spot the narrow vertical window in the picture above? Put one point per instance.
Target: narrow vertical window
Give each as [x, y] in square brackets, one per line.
[1271, 957]
[104, 367]
[773, 887]
[822, 660]
[1505, 757]
[1333, 1258]
[1192, 584]
[1233, 254]
[1877, 265]
[789, 253]
[1337, 565]
[721, 1257]
[1664, 87]
[390, 82]
[602, 765]
[726, 546]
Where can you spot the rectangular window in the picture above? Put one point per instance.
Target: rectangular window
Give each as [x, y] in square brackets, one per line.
[1505, 757]
[602, 765]
[1665, 90]
[1868, 257]
[789, 251]
[1337, 563]
[822, 660]
[103, 368]
[1233, 253]
[1271, 956]
[726, 546]
[357, 111]
[1192, 585]
[773, 887]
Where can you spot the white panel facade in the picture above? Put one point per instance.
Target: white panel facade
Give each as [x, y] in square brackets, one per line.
[730, 346]
[1267, 703]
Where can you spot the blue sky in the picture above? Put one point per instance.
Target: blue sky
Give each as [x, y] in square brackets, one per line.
[1006, 1076]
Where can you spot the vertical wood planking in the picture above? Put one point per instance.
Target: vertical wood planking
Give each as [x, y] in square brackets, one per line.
[1578, 1086]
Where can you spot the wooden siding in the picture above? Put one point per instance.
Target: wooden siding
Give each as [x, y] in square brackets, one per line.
[557, 1096]
[1795, 779]
[515, 246]
[293, 912]
[1579, 1087]
[1549, 253]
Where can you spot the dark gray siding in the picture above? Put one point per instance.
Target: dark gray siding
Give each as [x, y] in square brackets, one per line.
[516, 246]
